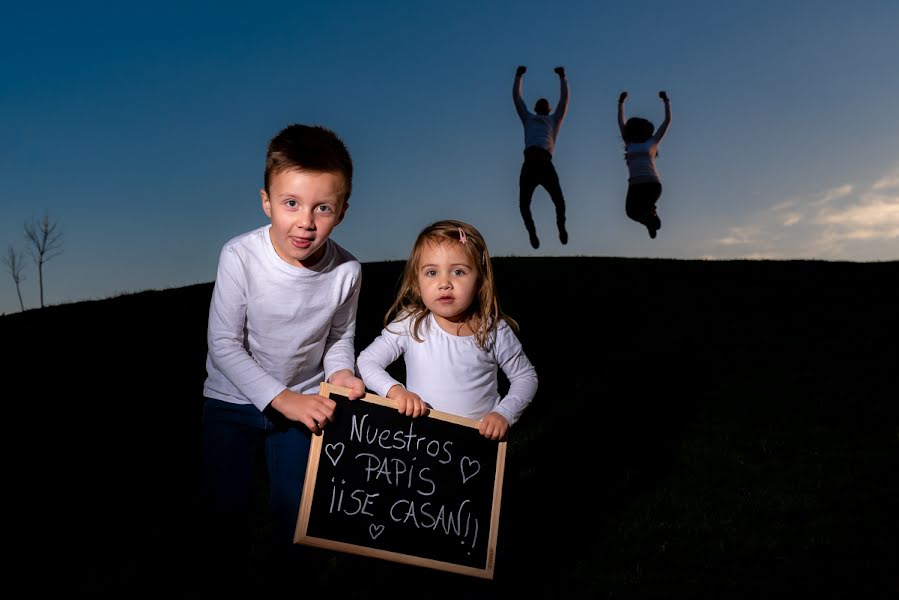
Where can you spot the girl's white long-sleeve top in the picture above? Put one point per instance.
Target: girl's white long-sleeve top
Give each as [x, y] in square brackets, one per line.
[450, 373]
[273, 325]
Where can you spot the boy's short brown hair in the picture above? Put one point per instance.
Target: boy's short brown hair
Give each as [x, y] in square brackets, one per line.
[309, 148]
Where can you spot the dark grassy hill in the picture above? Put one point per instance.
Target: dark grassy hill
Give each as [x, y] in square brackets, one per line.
[703, 429]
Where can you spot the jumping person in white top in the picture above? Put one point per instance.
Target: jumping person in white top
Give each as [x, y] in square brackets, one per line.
[641, 147]
[540, 131]
[447, 324]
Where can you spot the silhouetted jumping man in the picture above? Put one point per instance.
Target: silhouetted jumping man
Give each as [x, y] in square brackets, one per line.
[540, 131]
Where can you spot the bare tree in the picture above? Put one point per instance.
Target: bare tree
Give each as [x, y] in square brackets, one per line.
[46, 243]
[15, 265]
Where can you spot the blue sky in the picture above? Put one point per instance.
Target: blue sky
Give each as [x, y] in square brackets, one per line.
[142, 129]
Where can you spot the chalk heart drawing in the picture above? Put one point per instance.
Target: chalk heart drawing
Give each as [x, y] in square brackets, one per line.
[334, 452]
[470, 468]
[375, 530]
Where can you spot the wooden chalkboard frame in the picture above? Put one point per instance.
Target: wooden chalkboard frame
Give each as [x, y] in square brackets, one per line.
[308, 498]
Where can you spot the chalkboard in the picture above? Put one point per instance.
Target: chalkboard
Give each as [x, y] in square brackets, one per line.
[422, 491]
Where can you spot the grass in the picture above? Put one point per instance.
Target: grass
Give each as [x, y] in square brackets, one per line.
[702, 429]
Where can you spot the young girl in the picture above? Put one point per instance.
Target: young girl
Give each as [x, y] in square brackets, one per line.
[641, 148]
[447, 324]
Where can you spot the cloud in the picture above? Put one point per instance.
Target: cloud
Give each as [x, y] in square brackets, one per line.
[851, 221]
[740, 236]
[890, 182]
[876, 217]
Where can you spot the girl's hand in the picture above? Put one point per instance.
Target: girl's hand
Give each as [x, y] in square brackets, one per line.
[663, 95]
[621, 97]
[408, 403]
[494, 426]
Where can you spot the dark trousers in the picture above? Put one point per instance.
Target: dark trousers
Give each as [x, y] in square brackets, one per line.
[234, 437]
[640, 204]
[537, 170]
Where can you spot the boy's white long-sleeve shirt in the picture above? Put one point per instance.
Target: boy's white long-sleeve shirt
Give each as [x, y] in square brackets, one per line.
[273, 325]
[450, 373]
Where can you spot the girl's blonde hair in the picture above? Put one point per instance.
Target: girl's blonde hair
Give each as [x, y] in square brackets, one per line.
[484, 314]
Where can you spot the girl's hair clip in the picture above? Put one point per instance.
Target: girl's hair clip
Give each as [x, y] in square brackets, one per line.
[462, 237]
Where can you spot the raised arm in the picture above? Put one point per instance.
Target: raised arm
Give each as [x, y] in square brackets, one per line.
[562, 106]
[621, 97]
[516, 94]
[660, 132]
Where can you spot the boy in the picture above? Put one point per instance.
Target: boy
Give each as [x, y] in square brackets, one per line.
[281, 320]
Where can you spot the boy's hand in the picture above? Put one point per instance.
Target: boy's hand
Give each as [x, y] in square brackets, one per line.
[621, 97]
[663, 95]
[346, 378]
[311, 410]
[520, 70]
[408, 403]
[494, 426]
[560, 71]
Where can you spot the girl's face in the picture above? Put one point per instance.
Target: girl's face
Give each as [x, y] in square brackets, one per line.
[447, 280]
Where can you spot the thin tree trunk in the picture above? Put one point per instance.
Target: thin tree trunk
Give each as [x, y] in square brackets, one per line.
[40, 278]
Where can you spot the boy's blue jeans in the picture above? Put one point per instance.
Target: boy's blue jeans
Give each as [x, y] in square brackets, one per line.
[233, 437]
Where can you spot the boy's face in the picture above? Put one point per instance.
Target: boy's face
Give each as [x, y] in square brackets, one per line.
[304, 206]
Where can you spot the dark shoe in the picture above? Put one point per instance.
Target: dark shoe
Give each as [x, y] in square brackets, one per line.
[563, 235]
[535, 243]
[655, 223]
